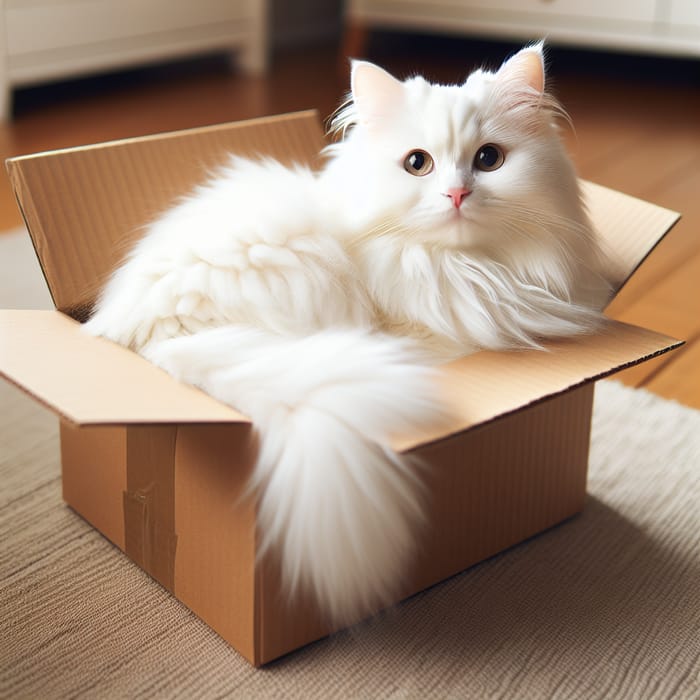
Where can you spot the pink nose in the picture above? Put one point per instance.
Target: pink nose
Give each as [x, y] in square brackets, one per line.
[457, 195]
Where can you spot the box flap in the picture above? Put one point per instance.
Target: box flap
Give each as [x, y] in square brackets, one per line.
[93, 381]
[84, 207]
[628, 228]
[488, 385]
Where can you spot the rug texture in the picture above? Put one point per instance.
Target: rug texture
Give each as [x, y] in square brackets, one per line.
[606, 605]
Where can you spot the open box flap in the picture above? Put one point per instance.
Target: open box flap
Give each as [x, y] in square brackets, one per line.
[93, 381]
[628, 228]
[487, 385]
[85, 207]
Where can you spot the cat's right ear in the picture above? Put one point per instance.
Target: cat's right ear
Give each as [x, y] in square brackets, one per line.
[526, 68]
[376, 93]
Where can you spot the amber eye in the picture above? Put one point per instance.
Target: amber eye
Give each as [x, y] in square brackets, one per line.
[418, 163]
[489, 157]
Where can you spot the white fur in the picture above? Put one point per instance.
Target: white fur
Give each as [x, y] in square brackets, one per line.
[281, 291]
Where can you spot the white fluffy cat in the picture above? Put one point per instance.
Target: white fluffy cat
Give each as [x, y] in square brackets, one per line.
[447, 219]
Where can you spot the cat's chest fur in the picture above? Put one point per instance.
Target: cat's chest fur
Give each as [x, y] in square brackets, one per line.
[413, 291]
[459, 300]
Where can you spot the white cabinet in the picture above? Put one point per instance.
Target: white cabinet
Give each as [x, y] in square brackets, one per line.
[629, 10]
[659, 26]
[42, 40]
[684, 17]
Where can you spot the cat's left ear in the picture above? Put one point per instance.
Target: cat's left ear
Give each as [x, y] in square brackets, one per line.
[525, 67]
[375, 92]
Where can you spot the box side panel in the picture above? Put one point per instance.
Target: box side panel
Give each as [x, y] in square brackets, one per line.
[93, 462]
[498, 485]
[172, 498]
[488, 489]
[215, 523]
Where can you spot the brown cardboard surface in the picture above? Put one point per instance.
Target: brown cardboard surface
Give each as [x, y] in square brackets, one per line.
[216, 529]
[94, 476]
[628, 229]
[503, 482]
[85, 207]
[93, 381]
[173, 498]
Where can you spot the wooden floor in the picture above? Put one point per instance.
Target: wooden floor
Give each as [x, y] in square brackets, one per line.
[637, 129]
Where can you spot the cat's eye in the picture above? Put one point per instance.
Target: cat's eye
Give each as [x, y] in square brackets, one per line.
[418, 163]
[489, 157]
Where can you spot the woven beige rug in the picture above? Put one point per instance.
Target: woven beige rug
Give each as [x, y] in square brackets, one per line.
[606, 605]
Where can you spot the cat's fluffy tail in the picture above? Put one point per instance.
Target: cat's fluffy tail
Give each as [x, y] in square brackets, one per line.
[338, 504]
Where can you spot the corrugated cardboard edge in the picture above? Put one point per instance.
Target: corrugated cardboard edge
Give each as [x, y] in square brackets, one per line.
[24, 335]
[29, 214]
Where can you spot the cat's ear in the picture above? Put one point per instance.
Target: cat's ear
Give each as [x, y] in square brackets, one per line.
[375, 92]
[526, 68]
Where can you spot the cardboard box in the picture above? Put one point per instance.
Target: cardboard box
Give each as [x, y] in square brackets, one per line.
[159, 467]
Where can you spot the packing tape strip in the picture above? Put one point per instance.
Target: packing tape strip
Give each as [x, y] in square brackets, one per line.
[149, 501]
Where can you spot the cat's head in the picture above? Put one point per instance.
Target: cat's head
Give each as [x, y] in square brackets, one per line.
[461, 164]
